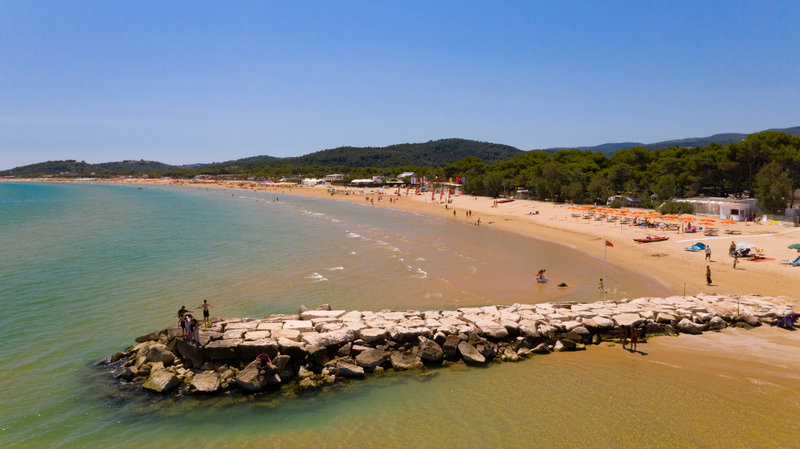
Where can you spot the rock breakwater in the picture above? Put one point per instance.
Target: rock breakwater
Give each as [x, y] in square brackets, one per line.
[323, 346]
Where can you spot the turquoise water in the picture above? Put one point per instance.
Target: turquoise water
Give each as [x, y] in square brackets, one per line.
[86, 268]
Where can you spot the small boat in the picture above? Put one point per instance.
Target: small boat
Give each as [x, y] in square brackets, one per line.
[650, 239]
[507, 200]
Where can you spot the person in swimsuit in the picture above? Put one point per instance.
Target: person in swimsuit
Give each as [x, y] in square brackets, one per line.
[623, 336]
[708, 275]
[634, 338]
[205, 305]
[187, 327]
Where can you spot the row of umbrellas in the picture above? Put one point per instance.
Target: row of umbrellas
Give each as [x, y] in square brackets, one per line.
[651, 215]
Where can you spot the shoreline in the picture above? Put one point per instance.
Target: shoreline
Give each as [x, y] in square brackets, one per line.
[664, 262]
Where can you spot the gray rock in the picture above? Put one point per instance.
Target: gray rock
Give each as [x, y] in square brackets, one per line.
[541, 348]
[152, 336]
[345, 369]
[470, 354]
[222, 350]
[159, 353]
[603, 323]
[750, 319]
[205, 382]
[450, 347]
[249, 350]
[372, 335]
[524, 352]
[574, 336]
[559, 347]
[161, 381]
[628, 319]
[327, 339]
[409, 334]
[293, 349]
[491, 329]
[317, 314]
[372, 358]
[189, 352]
[405, 360]
[429, 351]
[250, 379]
[716, 323]
[688, 327]
[510, 355]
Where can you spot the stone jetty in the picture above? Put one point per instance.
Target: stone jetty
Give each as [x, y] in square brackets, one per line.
[323, 346]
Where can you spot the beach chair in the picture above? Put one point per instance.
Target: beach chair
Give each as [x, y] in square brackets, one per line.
[793, 263]
[696, 247]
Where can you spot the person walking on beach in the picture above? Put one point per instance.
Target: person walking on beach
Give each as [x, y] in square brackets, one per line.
[735, 260]
[708, 275]
[623, 336]
[708, 252]
[634, 338]
[205, 305]
[732, 248]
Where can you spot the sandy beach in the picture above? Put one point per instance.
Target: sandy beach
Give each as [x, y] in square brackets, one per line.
[667, 261]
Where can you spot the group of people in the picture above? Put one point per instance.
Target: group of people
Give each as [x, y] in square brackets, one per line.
[540, 277]
[189, 325]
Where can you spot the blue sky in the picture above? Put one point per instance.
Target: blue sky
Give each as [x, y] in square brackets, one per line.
[182, 82]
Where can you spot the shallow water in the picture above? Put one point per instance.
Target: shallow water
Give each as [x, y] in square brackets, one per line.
[86, 268]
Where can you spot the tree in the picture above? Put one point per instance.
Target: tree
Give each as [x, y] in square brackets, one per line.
[773, 188]
[493, 183]
[665, 187]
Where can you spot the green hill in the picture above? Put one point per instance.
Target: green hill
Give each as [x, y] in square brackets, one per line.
[84, 169]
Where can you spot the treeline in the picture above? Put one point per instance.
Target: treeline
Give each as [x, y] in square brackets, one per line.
[767, 164]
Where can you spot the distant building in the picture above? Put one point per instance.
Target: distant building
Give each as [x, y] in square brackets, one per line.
[725, 208]
[334, 177]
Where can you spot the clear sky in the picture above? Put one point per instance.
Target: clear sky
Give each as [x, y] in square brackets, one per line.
[183, 82]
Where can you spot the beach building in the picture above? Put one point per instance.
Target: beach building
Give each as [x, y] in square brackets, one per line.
[334, 177]
[735, 209]
[308, 182]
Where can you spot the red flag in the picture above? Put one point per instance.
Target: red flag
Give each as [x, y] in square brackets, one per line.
[609, 244]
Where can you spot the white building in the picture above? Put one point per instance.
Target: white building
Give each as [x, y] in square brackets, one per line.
[334, 177]
[725, 208]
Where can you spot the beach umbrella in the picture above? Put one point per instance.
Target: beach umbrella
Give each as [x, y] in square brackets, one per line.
[687, 219]
[728, 222]
[746, 245]
[795, 246]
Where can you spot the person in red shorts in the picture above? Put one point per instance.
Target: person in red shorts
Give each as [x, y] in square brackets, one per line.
[634, 338]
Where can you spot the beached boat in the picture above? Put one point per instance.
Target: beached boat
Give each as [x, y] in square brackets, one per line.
[507, 200]
[650, 239]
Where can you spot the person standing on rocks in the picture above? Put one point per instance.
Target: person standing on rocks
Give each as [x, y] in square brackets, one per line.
[205, 305]
[181, 313]
[187, 327]
[708, 275]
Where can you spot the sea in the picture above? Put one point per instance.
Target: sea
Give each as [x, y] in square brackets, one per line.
[85, 268]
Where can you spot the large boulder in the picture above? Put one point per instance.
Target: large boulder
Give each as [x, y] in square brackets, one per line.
[161, 381]
[159, 353]
[603, 323]
[152, 336]
[207, 382]
[430, 351]
[628, 319]
[470, 354]
[408, 334]
[372, 335]
[372, 358]
[317, 314]
[189, 352]
[249, 350]
[327, 339]
[749, 318]
[665, 318]
[222, 350]
[716, 324]
[687, 327]
[346, 369]
[450, 347]
[492, 329]
[251, 379]
[405, 360]
[293, 349]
